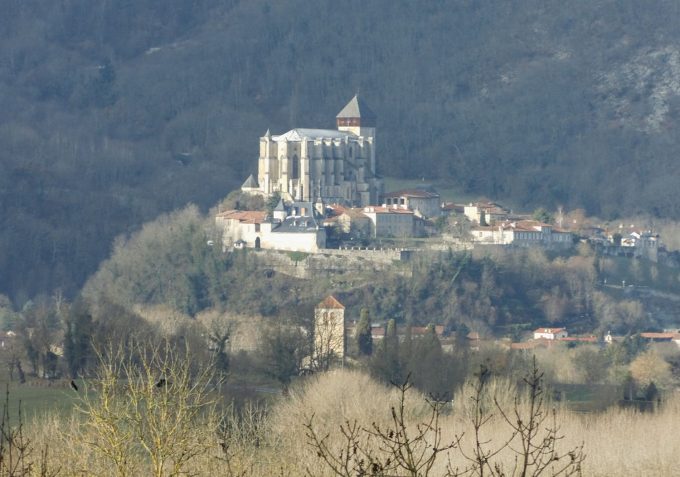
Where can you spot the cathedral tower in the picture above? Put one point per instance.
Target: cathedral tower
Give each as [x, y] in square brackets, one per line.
[357, 118]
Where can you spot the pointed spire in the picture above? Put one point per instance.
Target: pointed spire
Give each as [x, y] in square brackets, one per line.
[250, 183]
[280, 207]
[267, 134]
[358, 109]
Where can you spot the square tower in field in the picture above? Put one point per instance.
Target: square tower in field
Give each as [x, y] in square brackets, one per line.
[329, 332]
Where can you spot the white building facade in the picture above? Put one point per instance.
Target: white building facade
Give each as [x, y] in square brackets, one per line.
[331, 165]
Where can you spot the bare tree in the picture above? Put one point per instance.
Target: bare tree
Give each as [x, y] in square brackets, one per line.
[533, 439]
[149, 402]
[375, 450]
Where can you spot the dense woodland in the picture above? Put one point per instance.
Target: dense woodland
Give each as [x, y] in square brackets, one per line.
[114, 112]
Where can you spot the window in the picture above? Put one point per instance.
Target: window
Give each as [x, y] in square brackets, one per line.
[296, 167]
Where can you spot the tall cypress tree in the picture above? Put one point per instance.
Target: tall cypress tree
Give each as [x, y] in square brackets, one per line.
[363, 334]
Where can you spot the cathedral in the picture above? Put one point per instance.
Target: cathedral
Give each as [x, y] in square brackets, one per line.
[322, 165]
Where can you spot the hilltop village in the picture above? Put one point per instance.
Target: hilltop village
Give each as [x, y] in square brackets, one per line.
[319, 194]
[323, 194]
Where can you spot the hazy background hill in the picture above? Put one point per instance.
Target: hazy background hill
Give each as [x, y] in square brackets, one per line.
[112, 112]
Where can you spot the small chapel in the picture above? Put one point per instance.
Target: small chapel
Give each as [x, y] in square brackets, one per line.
[322, 165]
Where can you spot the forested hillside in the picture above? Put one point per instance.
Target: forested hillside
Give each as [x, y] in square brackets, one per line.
[113, 112]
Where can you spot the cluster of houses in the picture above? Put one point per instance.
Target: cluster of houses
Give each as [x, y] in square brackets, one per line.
[410, 213]
[329, 187]
[332, 330]
[547, 337]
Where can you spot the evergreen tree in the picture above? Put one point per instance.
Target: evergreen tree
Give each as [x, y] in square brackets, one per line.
[386, 361]
[77, 338]
[363, 334]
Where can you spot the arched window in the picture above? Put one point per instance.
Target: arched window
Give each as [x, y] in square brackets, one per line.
[296, 167]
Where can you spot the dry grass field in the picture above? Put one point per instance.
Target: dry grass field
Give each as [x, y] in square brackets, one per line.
[275, 441]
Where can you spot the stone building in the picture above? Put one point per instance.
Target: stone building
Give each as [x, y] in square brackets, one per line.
[329, 333]
[393, 222]
[328, 165]
[425, 202]
[294, 228]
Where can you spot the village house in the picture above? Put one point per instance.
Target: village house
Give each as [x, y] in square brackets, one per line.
[485, 213]
[393, 222]
[662, 337]
[348, 220]
[425, 202]
[293, 228]
[550, 333]
[644, 243]
[522, 233]
[451, 208]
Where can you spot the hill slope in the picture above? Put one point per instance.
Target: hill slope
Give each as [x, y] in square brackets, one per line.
[113, 112]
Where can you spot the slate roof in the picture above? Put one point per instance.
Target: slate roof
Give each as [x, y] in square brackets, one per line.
[297, 225]
[280, 206]
[357, 108]
[299, 134]
[250, 183]
[549, 330]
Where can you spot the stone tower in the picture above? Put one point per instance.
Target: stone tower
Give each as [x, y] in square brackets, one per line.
[357, 118]
[329, 333]
[322, 165]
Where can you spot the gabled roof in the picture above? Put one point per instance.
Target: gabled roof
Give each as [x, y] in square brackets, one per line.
[280, 207]
[331, 302]
[549, 330]
[250, 183]
[357, 108]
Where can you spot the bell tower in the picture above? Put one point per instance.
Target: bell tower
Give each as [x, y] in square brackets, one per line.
[357, 118]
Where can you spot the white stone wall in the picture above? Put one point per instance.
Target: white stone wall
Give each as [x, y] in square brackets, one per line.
[294, 242]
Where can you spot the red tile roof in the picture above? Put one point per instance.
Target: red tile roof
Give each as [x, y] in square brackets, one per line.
[660, 336]
[330, 302]
[549, 330]
[244, 216]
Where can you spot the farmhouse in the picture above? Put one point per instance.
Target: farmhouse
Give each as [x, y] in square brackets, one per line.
[550, 333]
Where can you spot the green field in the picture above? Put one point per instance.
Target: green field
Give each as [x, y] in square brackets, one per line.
[37, 400]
